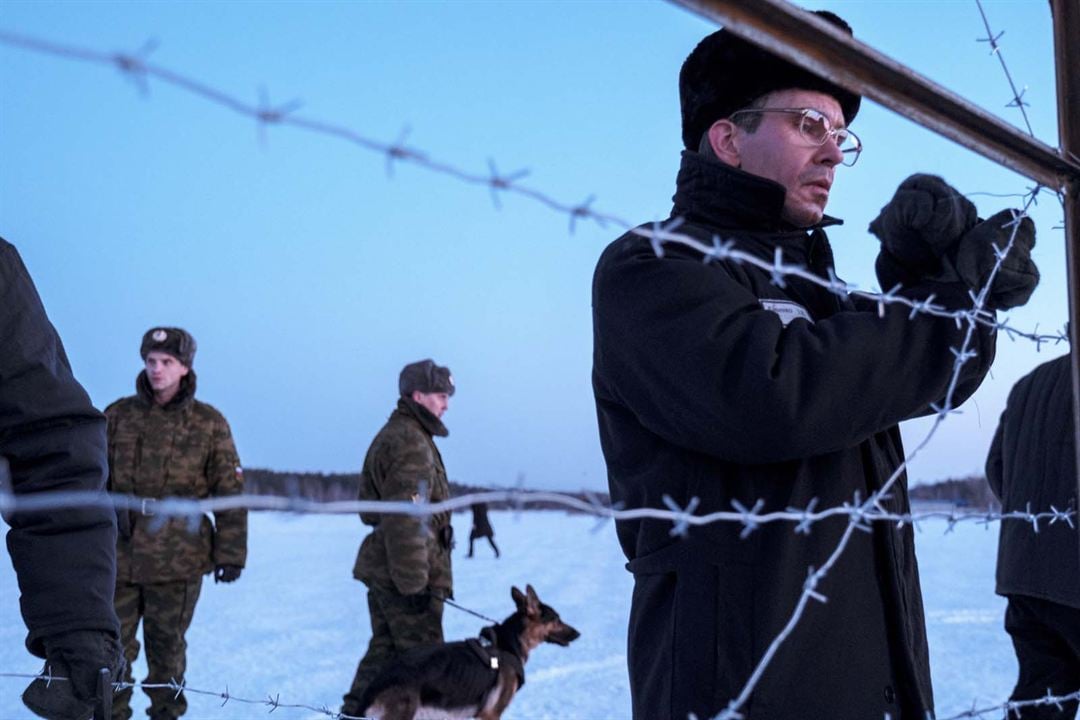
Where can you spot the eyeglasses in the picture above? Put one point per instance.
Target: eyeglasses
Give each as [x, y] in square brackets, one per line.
[817, 129]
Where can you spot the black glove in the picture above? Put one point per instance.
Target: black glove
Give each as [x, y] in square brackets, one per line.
[79, 656]
[446, 537]
[920, 225]
[123, 523]
[417, 603]
[974, 259]
[226, 573]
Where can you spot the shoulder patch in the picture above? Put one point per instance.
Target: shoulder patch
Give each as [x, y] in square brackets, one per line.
[788, 310]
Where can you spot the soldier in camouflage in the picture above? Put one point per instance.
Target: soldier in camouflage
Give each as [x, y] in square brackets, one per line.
[405, 560]
[165, 443]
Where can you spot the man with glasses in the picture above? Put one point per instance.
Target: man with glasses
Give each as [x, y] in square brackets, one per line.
[722, 386]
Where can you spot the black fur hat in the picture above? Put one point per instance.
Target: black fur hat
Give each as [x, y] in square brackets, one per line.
[725, 73]
[425, 376]
[174, 341]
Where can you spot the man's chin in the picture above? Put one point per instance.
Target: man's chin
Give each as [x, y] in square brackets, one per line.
[804, 217]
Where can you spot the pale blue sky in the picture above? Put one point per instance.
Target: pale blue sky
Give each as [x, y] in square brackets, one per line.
[309, 277]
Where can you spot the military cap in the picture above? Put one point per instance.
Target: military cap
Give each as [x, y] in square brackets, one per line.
[725, 73]
[426, 377]
[174, 341]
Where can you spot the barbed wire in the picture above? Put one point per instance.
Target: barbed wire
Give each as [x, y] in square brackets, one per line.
[995, 49]
[720, 250]
[137, 67]
[681, 519]
[272, 701]
[859, 513]
[1016, 706]
[1017, 100]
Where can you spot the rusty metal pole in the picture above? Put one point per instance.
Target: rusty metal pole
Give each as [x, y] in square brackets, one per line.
[809, 41]
[1066, 15]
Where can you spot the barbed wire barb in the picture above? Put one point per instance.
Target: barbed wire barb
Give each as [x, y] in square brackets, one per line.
[995, 49]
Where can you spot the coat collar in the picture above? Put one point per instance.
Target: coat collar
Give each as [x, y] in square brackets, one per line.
[726, 197]
[183, 398]
[431, 424]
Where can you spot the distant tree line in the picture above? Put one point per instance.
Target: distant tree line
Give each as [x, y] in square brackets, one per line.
[968, 492]
[332, 487]
[972, 492]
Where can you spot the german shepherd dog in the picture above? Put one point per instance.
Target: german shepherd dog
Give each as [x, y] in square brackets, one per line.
[474, 678]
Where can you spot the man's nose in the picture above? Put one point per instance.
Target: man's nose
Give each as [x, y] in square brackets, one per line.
[829, 152]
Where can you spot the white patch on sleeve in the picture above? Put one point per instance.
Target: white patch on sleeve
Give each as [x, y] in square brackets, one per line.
[786, 309]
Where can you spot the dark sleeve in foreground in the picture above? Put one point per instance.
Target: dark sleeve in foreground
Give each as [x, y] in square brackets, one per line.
[53, 439]
[693, 355]
[995, 462]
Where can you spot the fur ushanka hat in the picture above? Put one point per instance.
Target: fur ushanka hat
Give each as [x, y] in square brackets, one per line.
[427, 377]
[174, 341]
[725, 73]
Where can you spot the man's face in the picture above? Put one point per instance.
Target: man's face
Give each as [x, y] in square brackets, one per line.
[777, 150]
[164, 371]
[436, 403]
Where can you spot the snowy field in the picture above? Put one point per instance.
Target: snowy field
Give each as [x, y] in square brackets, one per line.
[295, 624]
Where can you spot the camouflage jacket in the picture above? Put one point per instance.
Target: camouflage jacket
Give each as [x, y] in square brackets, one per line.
[404, 553]
[182, 449]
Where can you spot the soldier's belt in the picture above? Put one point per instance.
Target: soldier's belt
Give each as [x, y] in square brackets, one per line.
[147, 507]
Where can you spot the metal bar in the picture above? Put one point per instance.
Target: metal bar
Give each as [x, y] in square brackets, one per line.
[1066, 14]
[103, 701]
[815, 43]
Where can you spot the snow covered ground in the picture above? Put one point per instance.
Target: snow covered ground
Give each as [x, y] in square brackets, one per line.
[295, 624]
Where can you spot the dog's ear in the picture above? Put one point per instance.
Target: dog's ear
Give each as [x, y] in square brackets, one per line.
[519, 598]
[533, 601]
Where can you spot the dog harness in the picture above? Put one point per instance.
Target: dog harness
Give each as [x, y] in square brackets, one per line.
[493, 657]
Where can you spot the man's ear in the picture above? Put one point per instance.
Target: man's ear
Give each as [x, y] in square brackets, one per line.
[722, 139]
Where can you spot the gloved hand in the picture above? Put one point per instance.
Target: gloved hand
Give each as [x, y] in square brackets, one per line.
[974, 259]
[416, 603]
[123, 523]
[226, 573]
[446, 537]
[923, 221]
[78, 655]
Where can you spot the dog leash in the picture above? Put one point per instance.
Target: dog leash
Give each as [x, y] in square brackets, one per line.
[450, 602]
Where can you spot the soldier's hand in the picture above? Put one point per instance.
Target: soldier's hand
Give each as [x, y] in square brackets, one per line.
[446, 537]
[226, 573]
[417, 603]
[975, 258]
[78, 656]
[924, 220]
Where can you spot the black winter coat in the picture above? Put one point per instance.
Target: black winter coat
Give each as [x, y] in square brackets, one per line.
[52, 439]
[704, 391]
[1032, 464]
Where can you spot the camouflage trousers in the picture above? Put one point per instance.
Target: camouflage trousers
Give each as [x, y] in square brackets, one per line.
[166, 610]
[394, 629]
